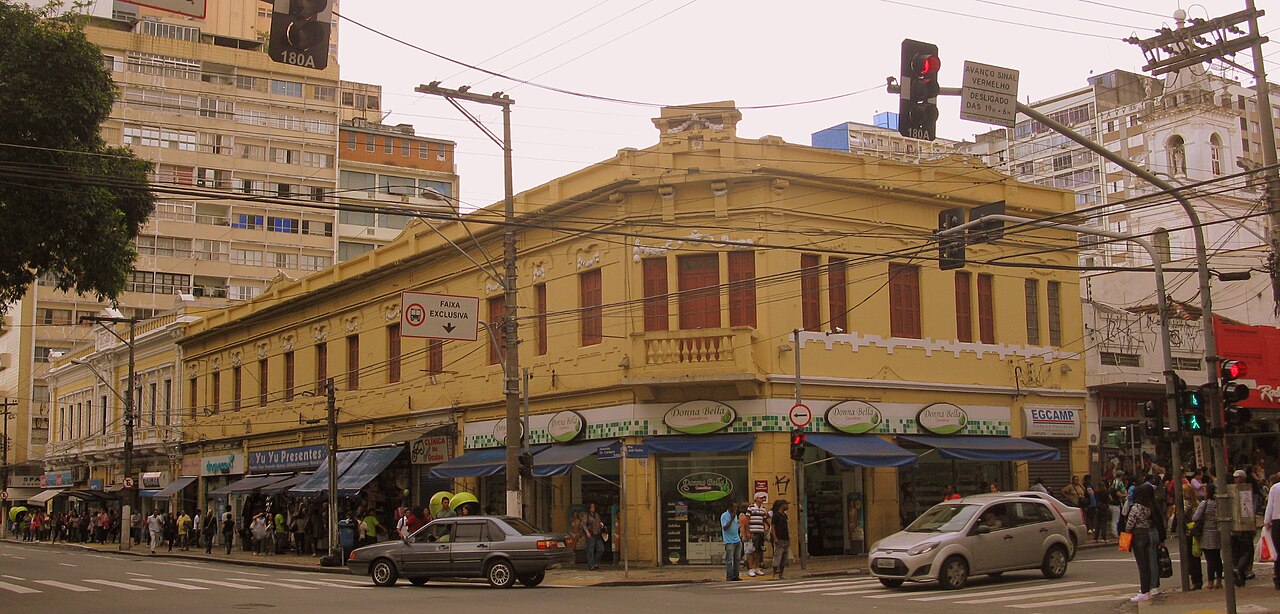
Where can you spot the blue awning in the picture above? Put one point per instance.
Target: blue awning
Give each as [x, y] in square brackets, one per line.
[686, 444]
[318, 483]
[477, 463]
[249, 484]
[280, 487]
[173, 487]
[969, 447]
[367, 467]
[560, 459]
[862, 450]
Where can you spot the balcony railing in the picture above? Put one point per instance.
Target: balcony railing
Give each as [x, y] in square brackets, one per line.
[699, 349]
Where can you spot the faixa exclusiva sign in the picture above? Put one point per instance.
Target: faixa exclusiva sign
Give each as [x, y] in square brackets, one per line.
[942, 419]
[853, 417]
[566, 426]
[704, 486]
[699, 417]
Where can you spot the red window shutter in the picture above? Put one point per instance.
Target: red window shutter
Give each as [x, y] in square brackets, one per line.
[986, 309]
[322, 367]
[353, 362]
[657, 315]
[435, 356]
[262, 381]
[838, 292]
[288, 376]
[904, 301]
[964, 307]
[217, 391]
[236, 387]
[592, 315]
[497, 313]
[742, 288]
[393, 353]
[699, 291]
[810, 292]
[540, 306]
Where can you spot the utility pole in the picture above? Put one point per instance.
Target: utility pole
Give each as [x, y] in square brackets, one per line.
[510, 328]
[130, 485]
[5, 416]
[1268, 125]
[802, 521]
[331, 402]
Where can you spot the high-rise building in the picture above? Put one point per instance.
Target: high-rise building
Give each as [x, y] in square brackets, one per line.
[881, 139]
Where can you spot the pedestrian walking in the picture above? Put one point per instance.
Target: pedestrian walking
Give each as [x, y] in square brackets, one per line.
[184, 531]
[195, 530]
[155, 528]
[731, 533]
[1271, 523]
[759, 528]
[209, 529]
[1242, 541]
[780, 537]
[593, 532]
[1073, 492]
[228, 528]
[170, 529]
[1205, 525]
[258, 529]
[1193, 549]
[1140, 524]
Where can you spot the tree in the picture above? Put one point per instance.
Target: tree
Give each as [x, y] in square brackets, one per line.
[70, 206]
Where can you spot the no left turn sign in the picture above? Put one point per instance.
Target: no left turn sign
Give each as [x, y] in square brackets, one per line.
[128, 482]
[800, 415]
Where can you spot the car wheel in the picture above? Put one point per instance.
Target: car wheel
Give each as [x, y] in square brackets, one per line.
[891, 583]
[500, 574]
[1075, 544]
[533, 579]
[954, 573]
[383, 572]
[418, 581]
[1055, 563]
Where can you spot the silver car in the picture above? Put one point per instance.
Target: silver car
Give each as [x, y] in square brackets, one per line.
[1072, 515]
[500, 549]
[977, 535]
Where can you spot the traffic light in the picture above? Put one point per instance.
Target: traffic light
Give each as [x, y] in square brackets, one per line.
[1233, 392]
[797, 444]
[300, 33]
[951, 246]
[1191, 408]
[918, 98]
[1153, 419]
[526, 465]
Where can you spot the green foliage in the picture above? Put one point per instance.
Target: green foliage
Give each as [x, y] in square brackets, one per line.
[71, 205]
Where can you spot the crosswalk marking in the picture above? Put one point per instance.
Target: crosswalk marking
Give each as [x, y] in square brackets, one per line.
[836, 587]
[282, 584]
[348, 580]
[134, 573]
[14, 578]
[14, 588]
[246, 587]
[1076, 600]
[333, 584]
[1007, 591]
[801, 587]
[782, 584]
[185, 587]
[70, 587]
[1052, 593]
[127, 587]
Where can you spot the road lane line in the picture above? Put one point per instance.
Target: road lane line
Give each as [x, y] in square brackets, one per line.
[1025, 589]
[144, 575]
[68, 565]
[15, 578]
[1070, 601]
[270, 583]
[246, 587]
[14, 588]
[332, 584]
[250, 573]
[75, 588]
[348, 580]
[127, 587]
[875, 585]
[185, 587]
[864, 591]
[822, 586]
[749, 585]
[1052, 593]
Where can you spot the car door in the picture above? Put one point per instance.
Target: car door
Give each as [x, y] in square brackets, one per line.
[993, 546]
[413, 556]
[1036, 522]
[470, 546]
[431, 549]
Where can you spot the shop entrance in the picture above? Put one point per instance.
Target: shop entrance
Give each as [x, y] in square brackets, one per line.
[694, 490]
[836, 510]
[924, 485]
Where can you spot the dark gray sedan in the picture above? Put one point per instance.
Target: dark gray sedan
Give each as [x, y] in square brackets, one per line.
[500, 549]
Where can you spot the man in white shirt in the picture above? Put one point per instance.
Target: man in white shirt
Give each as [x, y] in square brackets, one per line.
[1271, 523]
[155, 526]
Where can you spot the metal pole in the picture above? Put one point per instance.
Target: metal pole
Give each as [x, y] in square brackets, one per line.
[4, 466]
[524, 447]
[622, 513]
[131, 486]
[801, 520]
[515, 503]
[1268, 150]
[331, 397]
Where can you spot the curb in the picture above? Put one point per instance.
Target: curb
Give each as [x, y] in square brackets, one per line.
[191, 557]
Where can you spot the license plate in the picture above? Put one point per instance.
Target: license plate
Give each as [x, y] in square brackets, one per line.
[886, 563]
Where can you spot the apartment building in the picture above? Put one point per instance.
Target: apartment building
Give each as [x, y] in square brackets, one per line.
[881, 139]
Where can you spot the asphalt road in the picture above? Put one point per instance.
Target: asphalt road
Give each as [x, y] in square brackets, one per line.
[39, 578]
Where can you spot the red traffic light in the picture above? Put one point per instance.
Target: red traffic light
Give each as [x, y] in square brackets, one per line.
[1232, 369]
[927, 65]
[797, 437]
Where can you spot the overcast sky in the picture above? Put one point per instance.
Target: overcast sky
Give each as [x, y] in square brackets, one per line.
[686, 51]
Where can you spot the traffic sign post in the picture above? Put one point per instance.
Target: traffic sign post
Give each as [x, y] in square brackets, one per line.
[800, 415]
[439, 316]
[989, 94]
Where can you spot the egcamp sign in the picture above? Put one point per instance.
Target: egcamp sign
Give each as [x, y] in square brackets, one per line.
[699, 417]
[1052, 421]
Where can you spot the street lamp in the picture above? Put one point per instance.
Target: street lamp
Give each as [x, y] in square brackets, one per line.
[114, 316]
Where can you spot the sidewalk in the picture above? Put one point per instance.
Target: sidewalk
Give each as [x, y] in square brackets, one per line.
[1257, 598]
[575, 576]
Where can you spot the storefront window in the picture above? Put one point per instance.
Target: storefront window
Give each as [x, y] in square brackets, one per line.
[931, 475]
[696, 490]
[837, 517]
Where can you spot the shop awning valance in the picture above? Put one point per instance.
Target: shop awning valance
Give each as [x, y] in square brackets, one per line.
[248, 485]
[91, 495]
[862, 450]
[318, 483]
[973, 448]
[559, 459]
[367, 467]
[284, 485]
[43, 497]
[687, 444]
[478, 463]
[175, 486]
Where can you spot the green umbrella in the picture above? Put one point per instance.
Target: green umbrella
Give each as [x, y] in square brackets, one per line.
[14, 511]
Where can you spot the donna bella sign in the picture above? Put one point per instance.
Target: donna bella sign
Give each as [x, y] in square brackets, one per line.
[853, 417]
[704, 486]
[942, 419]
[566, 426]
[699, 417]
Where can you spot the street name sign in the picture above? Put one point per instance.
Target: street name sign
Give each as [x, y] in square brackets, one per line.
[989, 94]
[439, 316]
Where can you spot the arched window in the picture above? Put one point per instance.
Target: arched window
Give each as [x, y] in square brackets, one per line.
[1215, 153]
[1177, 150]
[1160, 240]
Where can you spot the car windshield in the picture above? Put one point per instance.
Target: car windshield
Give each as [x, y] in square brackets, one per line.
[943, 519]
[523, 527]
